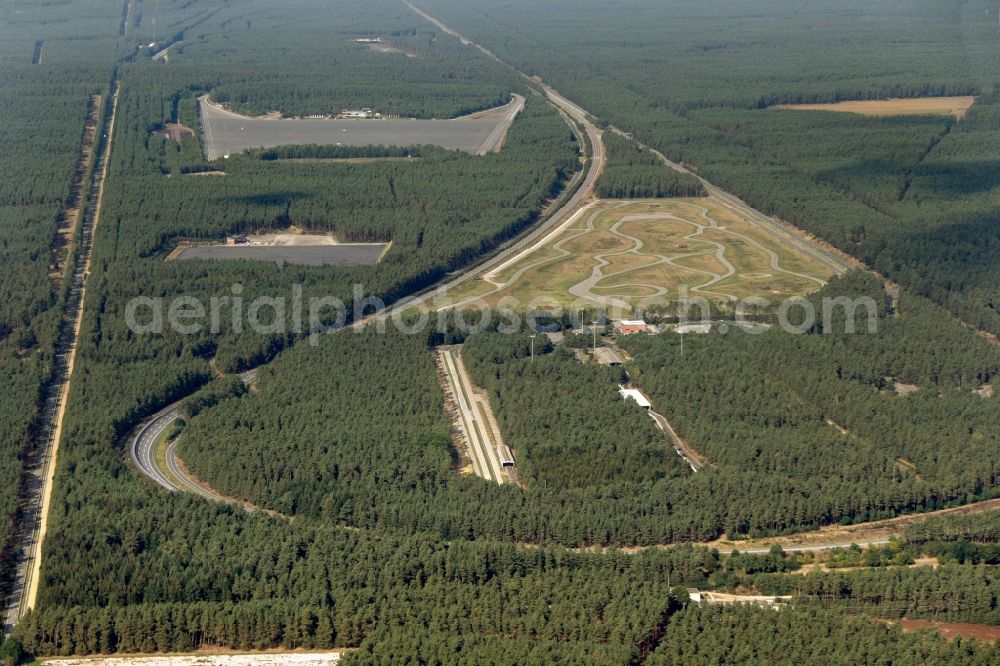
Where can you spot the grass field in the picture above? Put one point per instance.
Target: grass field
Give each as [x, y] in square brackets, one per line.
[616, 254]
[935, 106]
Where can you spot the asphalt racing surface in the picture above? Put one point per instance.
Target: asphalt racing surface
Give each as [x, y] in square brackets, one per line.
[228, 133]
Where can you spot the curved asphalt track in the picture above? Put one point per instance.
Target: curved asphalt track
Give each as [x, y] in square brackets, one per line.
[142, 451]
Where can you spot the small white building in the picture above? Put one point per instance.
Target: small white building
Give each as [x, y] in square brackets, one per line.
[635, 394]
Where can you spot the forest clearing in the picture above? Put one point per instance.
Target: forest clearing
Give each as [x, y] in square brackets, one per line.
[936, 106]
[659, 175]
[292, 246]
[227, 133]
[988, 633]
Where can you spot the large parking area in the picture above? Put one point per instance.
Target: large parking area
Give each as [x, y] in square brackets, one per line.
[228, 133]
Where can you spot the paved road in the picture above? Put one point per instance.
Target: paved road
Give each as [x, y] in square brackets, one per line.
[142, 451]
[571, 207]
[143, 448]
[827, 258]
[528, 243]
[493, 140]
[476, 425]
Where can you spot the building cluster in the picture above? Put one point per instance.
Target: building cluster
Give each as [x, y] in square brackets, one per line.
[359, 114]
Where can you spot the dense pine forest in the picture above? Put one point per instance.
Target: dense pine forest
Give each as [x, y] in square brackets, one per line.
[805, 430]
[44, 106]
[824, 417]
[331, 70]
[750, 635]
[634, 173]
[913, 197]
[370, 538]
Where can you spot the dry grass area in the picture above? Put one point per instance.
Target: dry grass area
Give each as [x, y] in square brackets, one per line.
[936, 106]
[620, 253]
[822, 567]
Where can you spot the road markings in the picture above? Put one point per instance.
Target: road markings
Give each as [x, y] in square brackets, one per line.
[481, 437]
[494, 137]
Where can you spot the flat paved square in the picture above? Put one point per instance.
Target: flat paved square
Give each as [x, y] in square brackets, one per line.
[302, 255]
[228, 133]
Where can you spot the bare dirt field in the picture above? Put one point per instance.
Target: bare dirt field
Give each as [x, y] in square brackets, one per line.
[937, 106]
[861, 533]
[983, 632]
[174, 131]
[227, 133]
[618, 253]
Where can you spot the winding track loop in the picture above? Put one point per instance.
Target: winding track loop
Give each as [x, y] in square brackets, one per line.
[585, 288]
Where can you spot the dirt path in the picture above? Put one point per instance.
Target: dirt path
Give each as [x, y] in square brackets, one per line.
[690, 455]
[832, 536]
[69, 220]
[41, 470]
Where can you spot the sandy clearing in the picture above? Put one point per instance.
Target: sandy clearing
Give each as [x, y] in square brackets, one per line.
[983, 632]
[938, 106]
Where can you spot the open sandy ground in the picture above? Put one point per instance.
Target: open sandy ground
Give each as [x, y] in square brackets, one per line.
[937, 106]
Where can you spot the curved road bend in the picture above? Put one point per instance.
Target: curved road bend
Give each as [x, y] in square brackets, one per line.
[594, 167]
[143, 446]
[142, 450]
[142, 443]
[824, 256]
